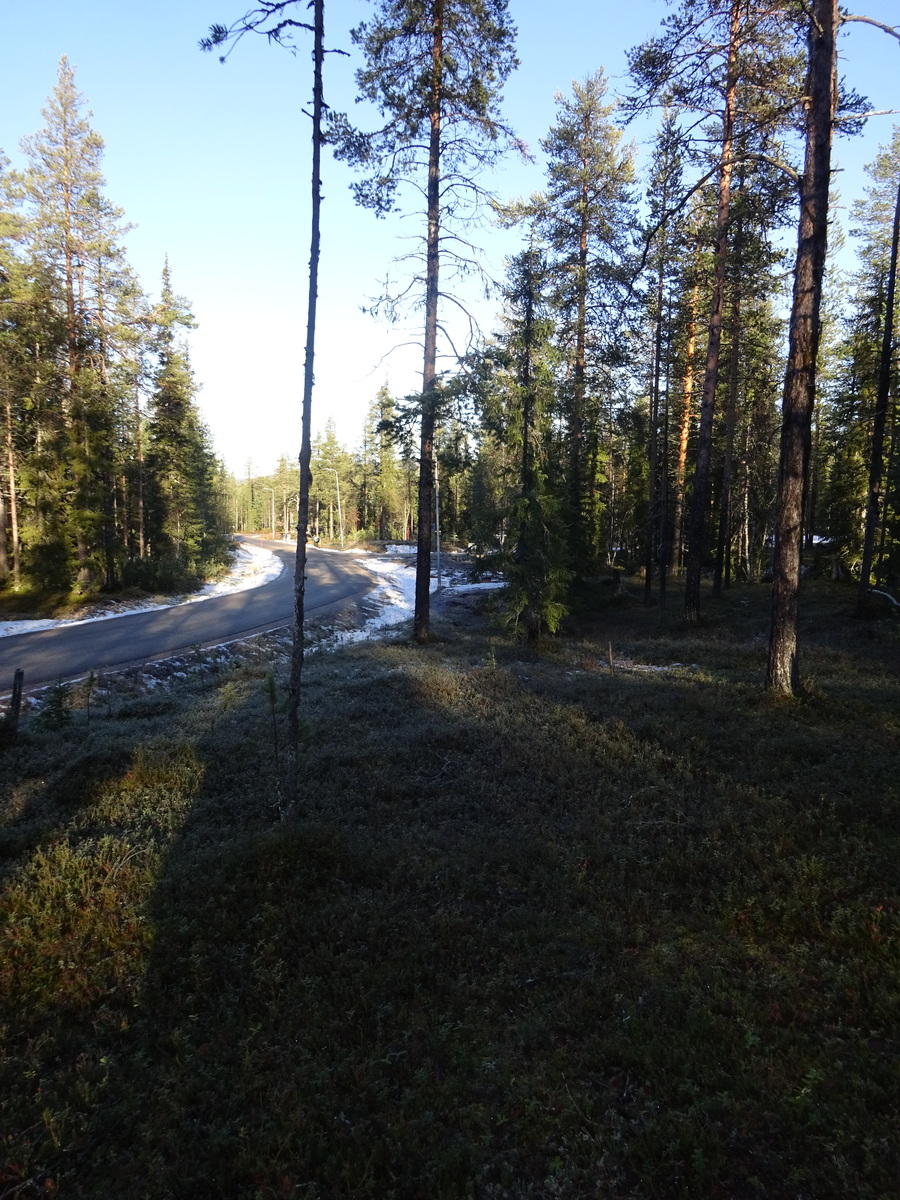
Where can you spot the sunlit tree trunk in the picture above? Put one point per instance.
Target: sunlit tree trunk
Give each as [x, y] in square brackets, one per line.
[722, 575]
[684, 433]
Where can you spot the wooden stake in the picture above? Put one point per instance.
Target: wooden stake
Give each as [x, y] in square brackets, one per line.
[15, 704]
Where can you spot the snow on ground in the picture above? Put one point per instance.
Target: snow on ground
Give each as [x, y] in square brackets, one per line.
[253, 566]
[395, 594]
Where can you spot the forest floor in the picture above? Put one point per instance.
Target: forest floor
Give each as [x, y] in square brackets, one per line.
[595, 919]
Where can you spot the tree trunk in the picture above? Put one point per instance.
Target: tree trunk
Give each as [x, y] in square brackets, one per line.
[783, 673]
[687, 412]
[13, 498]
[580, 539]
[876, 460]
[722, 576]
[4, 554]
[422, 613]
[306, 416]
[700, 497]
[528, 484]
[664, 549]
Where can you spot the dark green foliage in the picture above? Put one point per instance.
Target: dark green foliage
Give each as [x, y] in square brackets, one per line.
[55, 707]
[398, 43]
[77, 344]
[519, 406]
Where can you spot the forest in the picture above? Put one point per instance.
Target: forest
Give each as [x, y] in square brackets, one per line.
[546, 897]
[623, 413]
[626, 411]
[110, 479]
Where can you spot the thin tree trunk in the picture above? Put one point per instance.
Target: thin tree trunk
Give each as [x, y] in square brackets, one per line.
[891, 457]
[687, 413]
[743, 557]
[139, 448]
[422, 613]
[528, 492]
[4, 553]
[610, 491]
[783, 673]
[581, 536]
[700, 496]
[306, 416]
[652, 449]
[876, 460]
[722, 576]
[13, 499]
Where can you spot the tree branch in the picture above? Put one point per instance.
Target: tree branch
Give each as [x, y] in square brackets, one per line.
[892, 30]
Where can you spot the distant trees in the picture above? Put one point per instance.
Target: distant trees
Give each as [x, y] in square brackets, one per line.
[90, 499]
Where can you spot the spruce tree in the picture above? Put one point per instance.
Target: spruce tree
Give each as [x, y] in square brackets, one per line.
[585, 217]
[534, 564]
[74, 235]
[183, 519]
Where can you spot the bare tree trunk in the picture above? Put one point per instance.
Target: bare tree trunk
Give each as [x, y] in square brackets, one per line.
[664, 548]
[306, 417]
[687, 412]
[722, 576]
[700, 496]
[876, 460]
[743, 557]
[422, 613]
[652, 449]
[581, 538]
[4, 553]
[139, 448]
[783, 673]
[13, 498]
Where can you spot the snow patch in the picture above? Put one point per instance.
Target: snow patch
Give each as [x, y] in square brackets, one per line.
[253, 566]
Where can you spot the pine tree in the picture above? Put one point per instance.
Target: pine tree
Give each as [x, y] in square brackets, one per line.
[434, 69]
[731, 59]
[820, 105]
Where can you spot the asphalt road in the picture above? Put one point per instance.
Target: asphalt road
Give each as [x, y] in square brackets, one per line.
[69, 651]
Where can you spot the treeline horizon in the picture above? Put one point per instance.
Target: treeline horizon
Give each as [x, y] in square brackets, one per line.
[109, 477]
[642, 380]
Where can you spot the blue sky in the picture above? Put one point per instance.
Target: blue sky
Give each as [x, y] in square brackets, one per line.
[210, 162]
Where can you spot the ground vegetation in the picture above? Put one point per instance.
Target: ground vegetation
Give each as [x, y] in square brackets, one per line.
[594, 917]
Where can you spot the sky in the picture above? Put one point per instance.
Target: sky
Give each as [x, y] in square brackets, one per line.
[210, 162]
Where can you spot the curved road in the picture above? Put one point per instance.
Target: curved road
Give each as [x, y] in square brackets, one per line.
[69, 651]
